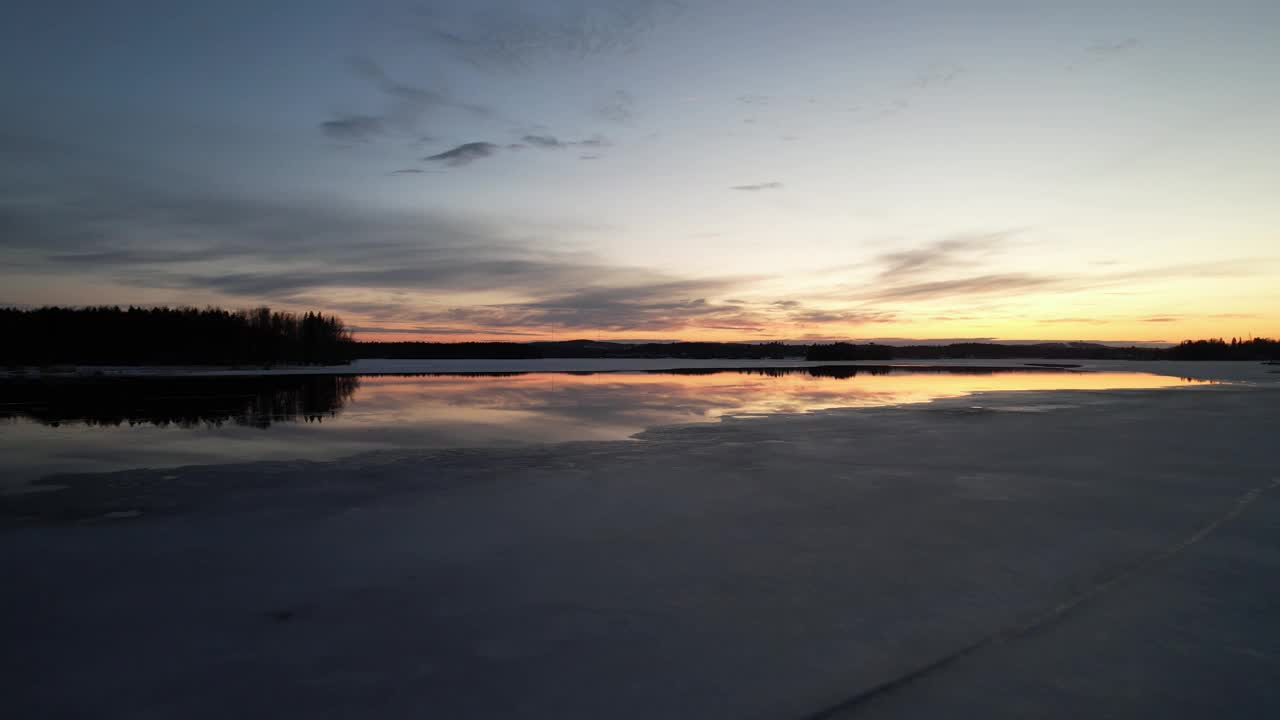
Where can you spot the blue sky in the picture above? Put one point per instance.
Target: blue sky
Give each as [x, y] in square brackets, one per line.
[729, 170]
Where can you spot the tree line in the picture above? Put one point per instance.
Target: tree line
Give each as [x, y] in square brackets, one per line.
[577, 349]
[111, 335]
[1219, 349]
[1255, 349]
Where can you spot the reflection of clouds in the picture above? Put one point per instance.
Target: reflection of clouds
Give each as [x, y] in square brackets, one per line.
[444, 411]
[635, 401]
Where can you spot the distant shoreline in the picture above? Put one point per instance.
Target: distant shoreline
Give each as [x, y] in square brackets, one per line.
[1217, 370]
[54, 337]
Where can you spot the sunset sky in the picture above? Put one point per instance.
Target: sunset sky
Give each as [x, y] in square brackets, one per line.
[630, 169]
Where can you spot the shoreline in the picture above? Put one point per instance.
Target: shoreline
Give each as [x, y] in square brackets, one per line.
[1206, 369]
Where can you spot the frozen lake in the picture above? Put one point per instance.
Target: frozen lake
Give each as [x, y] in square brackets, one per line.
[1053, 553]
[123, 421]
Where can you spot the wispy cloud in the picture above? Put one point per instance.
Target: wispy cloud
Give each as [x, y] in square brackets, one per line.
[551, 142]
[908, 266]
[507, 34]
[354, 128]
[616, 107]
[464, 154]
[470, 152]
[407, 106]
[758, 186]
[403, 269]
[544, 141]
[977, 285]
[950, 252]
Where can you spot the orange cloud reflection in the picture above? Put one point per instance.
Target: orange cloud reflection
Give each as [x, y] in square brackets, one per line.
[617, 404]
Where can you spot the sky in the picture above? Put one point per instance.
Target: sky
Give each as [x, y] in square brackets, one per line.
[652, 169]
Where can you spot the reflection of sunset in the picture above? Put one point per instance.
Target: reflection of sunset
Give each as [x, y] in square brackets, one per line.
[690, 397]
[169, 423]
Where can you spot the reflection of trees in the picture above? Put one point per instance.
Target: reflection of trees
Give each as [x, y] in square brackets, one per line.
[849, 371]
[184, 402]
[259, 401]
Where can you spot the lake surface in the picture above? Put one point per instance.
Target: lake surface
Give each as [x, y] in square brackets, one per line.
[92, 425]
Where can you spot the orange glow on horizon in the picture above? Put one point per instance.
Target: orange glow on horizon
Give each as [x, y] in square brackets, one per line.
[1105, 333]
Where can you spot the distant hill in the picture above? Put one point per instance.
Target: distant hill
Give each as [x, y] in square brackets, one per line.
[574, 349]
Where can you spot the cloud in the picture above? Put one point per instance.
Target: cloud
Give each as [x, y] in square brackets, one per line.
[758, 186]
[109, 227]
[1022, 282]
[544, 141]
[1235, 267]
[407, 171]
[464, 154]
[511, 35]
[426, 269]
[369, 70]
[617, 107]
[408, 105]
[847, 317]
[977, 285]
[434, 270]
[354, 127]
[551, 142]
[654, 302]
[379, 267]
[1161, 319]
[472, 151]
[957, 250]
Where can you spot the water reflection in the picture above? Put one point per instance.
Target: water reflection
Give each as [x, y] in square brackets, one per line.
[182, 402]
[88, 425]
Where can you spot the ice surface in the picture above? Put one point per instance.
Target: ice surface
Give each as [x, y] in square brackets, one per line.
[762, 568]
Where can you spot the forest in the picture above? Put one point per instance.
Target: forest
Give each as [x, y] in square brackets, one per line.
[111, 335]
[1256, 349]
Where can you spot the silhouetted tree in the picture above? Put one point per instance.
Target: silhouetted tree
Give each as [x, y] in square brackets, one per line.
[110, 335]
[1219, 349]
